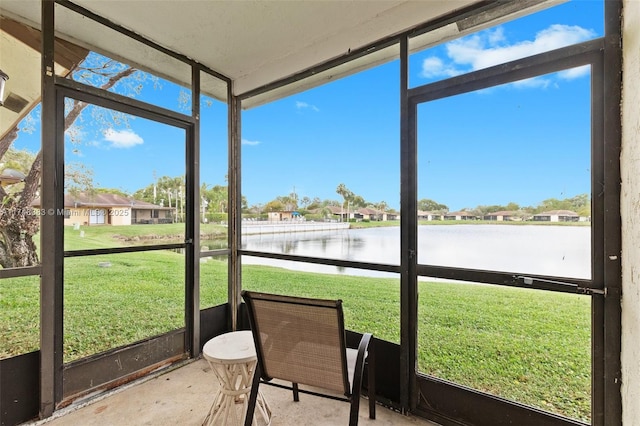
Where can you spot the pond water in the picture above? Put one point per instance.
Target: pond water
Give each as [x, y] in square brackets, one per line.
[562, 251]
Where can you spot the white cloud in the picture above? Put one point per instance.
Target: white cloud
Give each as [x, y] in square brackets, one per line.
[533, 83]
[251, 143]
[435, 67]
[122, 138]
[575, 72]
[496, 36]
[303, 105]
[491, 47]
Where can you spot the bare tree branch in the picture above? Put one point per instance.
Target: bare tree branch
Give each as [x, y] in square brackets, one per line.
[17, 228]
[7, 140]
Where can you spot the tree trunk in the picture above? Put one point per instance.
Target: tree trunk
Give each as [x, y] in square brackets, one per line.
[17, 228]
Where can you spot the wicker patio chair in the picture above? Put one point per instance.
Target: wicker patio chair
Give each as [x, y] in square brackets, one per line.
[302, 341]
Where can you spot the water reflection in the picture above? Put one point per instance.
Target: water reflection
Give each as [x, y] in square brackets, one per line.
[529, 249]
[545, 250]
[334, 244]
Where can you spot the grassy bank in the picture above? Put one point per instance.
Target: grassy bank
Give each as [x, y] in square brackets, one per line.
[90, 237]
[529, 346]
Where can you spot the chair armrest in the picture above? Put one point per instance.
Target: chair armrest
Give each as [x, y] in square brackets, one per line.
[363, 348]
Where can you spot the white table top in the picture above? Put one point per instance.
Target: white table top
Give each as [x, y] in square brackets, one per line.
[230, 348]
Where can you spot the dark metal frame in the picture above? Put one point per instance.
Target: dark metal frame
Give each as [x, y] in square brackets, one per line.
[19, 272]
[607, 309]
[55, 89]
[235, 211]
[604, 220]
[408, 241]
[74, 374]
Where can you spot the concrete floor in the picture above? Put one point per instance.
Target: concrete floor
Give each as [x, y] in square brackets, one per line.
[183, 396]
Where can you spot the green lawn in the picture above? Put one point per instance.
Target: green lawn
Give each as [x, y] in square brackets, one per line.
[529, 346]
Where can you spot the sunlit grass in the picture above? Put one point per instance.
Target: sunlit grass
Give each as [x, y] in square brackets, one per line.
[19, 315]
[531, 346]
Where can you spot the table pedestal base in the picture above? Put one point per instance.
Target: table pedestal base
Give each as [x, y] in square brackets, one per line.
[230, 403]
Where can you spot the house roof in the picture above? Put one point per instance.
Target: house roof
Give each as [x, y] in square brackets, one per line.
[368, 211]
[105, 200]
[336, 210]
[558, 213]
[256, 43]
[501, 213]
[96, 200]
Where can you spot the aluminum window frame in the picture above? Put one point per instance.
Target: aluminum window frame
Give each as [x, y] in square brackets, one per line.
[54, 90]
[603, 292]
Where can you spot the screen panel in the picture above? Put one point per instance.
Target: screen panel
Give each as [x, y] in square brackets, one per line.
[511, 190]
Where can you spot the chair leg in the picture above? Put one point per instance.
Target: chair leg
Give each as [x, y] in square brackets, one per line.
[296, 394]
[356, 385]
[253, 397]
[371, 385]
[355, 409]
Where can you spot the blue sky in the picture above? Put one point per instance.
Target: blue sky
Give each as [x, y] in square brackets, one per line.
[524, 142]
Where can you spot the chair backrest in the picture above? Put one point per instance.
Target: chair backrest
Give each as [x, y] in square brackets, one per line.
[299, 340]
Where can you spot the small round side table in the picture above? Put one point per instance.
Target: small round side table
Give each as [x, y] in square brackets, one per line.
[232, 357]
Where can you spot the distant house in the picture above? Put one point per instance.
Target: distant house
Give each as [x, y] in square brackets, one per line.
[111, 209]
[371, 214]
[504, 215]
[462, 215]
[391, 216]
[557, 216]
[278, 216]
[360, 214]
[425, 215]
[338, 211]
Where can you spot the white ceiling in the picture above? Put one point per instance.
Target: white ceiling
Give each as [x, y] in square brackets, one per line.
[22, 64]
[257, 42]
[251, 42]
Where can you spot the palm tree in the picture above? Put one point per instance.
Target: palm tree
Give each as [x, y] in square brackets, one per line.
[346, 195]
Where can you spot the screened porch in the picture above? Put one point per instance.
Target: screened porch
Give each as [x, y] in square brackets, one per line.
[337, 150]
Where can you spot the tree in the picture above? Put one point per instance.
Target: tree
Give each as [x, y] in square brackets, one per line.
[282, 203]
[166, 191]
[290, 202]
[116, 191]
[216, 196]
[512, 207]
[357, 201]
[428, 205]
[325, 212]
[382, 206]
[78, 178]
[274, 206]
[580, 204]
[305, 202]
[346, 194]
[18, 221]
